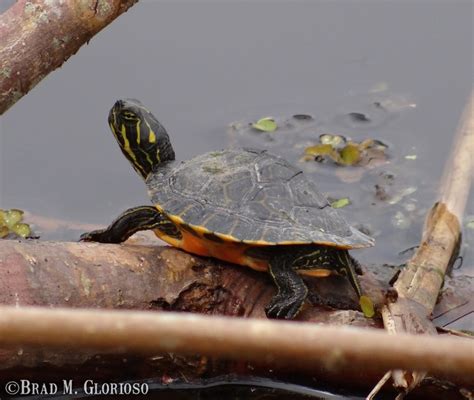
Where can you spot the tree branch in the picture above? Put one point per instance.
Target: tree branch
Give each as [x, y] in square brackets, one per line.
[38, 36]
[324, 347]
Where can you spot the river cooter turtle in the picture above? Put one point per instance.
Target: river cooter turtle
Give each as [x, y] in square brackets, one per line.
[243, 206]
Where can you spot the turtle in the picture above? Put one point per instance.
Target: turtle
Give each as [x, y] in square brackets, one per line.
[243, 206]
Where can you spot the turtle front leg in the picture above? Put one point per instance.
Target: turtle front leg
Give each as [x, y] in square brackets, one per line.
[129, 222]
[292, 291]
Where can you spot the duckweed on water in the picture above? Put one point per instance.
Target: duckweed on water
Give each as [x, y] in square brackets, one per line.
[11, 224]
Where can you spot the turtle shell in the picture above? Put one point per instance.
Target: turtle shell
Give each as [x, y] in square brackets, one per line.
[251, 196]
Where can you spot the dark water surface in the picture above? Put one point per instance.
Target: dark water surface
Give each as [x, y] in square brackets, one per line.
[201, 65]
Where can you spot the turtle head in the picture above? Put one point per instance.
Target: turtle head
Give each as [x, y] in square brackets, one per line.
[142, 139]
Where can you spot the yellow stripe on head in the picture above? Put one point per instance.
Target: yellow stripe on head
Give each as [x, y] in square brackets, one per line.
[141, 137]
[138, 131]
[131, 155]
[151, 134]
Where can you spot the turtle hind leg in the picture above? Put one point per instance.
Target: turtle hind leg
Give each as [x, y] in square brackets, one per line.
[292, 291]
[129, 222]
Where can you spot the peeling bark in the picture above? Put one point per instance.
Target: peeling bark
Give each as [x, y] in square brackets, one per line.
[39, 36]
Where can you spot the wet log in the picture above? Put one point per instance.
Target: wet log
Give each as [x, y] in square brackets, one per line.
[39, 36]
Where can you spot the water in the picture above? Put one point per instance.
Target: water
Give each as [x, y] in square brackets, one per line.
[201, 65]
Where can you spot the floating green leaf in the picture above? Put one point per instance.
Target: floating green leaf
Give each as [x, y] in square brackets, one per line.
[367, 306]
[410, 157]
[267, 124]
[319, 149]
[350, 154]
[341, 203]
[470, 224]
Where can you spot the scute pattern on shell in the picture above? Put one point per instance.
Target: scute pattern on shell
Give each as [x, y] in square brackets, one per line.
[250, 195]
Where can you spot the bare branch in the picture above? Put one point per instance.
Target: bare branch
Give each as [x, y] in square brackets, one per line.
[316, 346]
[38, 36]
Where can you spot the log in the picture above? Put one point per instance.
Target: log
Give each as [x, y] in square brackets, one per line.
[69, 274]
[128, 276]
[39, 36]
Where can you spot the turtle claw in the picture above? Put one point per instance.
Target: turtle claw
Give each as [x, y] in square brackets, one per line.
[284, 307]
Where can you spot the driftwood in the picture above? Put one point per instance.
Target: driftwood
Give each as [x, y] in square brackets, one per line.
[39, 36]
[420, 281]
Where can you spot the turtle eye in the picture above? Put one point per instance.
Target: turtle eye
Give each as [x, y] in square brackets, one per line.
[129, 116]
